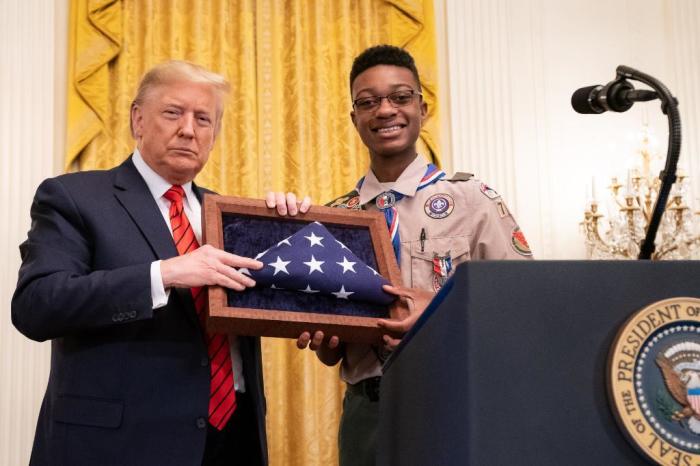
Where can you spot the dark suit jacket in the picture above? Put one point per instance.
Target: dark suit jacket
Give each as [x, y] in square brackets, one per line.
[129, 385]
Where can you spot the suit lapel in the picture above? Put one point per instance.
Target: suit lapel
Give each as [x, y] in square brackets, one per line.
[132, 193]
[200, 192]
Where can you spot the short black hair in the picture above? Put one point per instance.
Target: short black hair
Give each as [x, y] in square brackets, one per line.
[383, 55]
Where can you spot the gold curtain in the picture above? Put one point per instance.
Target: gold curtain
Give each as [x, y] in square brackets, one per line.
[286, 127]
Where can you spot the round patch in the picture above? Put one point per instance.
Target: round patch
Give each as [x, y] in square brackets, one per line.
[654, 380]
[519, 242]
[488, 192]
[439, 205]
[385, 200]
[353, 202]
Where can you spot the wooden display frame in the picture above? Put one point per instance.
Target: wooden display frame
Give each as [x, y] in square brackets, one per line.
[290, 324]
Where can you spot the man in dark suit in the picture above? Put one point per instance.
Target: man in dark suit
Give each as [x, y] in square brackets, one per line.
[113, 274]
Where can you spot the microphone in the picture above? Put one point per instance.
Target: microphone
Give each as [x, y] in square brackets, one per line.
[616, 96]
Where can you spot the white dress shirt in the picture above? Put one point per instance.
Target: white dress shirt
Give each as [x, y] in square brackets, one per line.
[158, 186]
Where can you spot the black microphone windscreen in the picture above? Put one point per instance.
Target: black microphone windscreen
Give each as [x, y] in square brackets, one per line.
[582, 100]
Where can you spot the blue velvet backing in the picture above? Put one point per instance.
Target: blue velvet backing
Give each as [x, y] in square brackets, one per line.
[248, 236]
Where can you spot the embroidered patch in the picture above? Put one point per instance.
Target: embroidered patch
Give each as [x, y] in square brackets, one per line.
[353, 203]
[385, 200]
[502, 209]
[488, 192]
[439, 205]
[341, 202]
[520, 243]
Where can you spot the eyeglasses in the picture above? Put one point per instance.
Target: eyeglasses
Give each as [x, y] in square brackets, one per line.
[396, 99]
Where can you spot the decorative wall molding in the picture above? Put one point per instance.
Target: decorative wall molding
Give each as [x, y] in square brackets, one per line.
[683, 48]
[28, 118]
[512, 66]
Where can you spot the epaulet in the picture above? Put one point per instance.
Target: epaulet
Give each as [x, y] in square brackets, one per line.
[350, 200]
[460, 176]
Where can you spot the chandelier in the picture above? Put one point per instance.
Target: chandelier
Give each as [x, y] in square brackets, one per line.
[629, 208]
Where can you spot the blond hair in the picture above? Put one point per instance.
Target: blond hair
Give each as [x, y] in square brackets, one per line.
[173, 71]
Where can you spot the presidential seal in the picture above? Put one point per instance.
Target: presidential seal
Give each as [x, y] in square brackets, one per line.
[654, 381]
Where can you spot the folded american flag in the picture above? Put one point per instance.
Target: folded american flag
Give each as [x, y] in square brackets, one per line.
[313, 261]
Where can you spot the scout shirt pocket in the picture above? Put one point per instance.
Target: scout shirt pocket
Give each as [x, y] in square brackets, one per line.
[433, 261]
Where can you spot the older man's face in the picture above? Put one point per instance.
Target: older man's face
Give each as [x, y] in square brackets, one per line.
[175, 128]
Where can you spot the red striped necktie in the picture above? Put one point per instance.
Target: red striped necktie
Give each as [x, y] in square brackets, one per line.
[222, 395]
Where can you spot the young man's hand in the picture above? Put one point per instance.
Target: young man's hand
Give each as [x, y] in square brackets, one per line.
[328, 350]
[417, 300]
[287, 204]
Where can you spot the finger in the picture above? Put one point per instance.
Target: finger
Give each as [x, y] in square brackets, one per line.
[237, 277]
[305, 204]
[234, 283]
[234, 260]
[390, 344]
[399, 326]
[316, 341]
[270, 199]
[303, 340]
[292, 204]
[281, 203]
[333, 342]
[226, 281]
[398, 291]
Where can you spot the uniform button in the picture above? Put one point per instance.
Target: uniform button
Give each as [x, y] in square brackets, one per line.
[201, 422]
[204, 361]
[115, 318]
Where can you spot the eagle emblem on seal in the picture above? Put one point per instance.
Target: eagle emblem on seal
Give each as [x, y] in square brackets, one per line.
[680, 367]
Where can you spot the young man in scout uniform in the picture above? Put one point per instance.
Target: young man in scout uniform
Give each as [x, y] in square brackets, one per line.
[435, 223]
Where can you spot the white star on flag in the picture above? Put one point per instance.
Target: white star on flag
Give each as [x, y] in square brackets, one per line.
[293, 262]
[309, 290]
[314, 240]
[314, 265]
[347, 265]
[280, 266]
[342, 294]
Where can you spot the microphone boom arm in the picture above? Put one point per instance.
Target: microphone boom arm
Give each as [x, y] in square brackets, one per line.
[669, 106]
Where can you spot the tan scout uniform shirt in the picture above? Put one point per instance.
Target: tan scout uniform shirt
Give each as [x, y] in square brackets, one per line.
[461, 217]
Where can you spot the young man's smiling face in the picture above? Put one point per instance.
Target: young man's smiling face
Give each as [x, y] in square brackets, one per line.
[388, 131]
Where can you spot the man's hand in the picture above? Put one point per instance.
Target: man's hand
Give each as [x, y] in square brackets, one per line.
[287, 204]
[417, 301]
[329, 353]
[207, 266]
